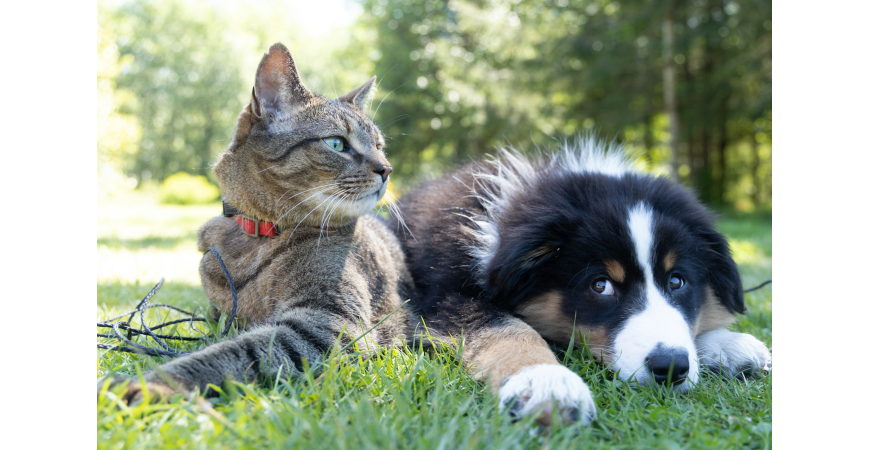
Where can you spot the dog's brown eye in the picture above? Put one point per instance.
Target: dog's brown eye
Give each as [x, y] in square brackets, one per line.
[676, 282]
[603, 286]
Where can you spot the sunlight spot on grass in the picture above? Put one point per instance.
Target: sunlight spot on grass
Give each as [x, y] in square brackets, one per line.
[746, 252]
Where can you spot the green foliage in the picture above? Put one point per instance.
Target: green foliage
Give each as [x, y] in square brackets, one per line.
[117, 133]
[185, 189]
[178, 63]
[188, 67]
[470, 75]
[460, 77]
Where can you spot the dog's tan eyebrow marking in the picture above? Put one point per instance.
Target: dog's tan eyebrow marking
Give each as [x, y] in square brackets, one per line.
[670, 260]
[615, 270]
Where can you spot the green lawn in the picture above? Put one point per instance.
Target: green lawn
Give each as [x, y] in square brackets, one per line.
[398, 398]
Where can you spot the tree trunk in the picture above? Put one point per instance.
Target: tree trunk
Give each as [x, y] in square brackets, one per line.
[691, 156]
[706, 177]
[706, 121]
[691, 148]
[669, 85]
[756, 166]
[722, 179]
[647, 132]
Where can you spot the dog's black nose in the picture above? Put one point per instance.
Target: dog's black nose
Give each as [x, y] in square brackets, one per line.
[668, 364]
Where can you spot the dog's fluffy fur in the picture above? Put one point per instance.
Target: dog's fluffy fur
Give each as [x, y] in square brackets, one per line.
[518, 251]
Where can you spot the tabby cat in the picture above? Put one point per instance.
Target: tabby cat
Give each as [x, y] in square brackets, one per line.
[301, 173]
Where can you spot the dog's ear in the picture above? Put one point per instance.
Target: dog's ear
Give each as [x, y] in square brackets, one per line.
[514, 268]
[722, 273]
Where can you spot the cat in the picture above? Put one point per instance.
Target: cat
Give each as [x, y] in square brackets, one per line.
[309, 263]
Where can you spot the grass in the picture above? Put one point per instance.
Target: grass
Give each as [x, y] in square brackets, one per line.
[398, 398]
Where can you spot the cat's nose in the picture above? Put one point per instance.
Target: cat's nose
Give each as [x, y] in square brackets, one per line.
[384, 171]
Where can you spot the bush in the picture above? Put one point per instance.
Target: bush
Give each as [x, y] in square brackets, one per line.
[185, 189]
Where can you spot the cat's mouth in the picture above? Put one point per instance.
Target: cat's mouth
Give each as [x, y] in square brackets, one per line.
[348, 205]
[374, 195]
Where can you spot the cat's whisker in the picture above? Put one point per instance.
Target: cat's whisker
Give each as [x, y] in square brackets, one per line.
[282, 196]
[267, 168]
[303, 201]
[329, 216]
[306, 216]
[382, 102]
[309, 213]
[316, 193]
[332, 198]
[342, 212]
[324, 223]
[356, 197]
[324, 217]
[383, 77]
[400, 117]
[394, 209]
[299, 193]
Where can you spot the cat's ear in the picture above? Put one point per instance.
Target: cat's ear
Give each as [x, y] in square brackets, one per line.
[359, 96]
[278, 86]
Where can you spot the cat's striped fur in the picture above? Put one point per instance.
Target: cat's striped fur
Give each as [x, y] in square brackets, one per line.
[333, 270]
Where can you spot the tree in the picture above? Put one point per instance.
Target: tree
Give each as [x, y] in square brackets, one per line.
[470, 75]
[117, 133]
[188, 67]
[179, 65]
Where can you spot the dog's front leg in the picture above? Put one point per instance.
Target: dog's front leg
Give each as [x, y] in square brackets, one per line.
[525, 374]
[731, 354]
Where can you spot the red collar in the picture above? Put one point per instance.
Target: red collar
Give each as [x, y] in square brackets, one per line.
[251, 226]
[256, 228]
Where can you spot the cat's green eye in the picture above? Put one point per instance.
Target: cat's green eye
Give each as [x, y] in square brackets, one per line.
[335, 143]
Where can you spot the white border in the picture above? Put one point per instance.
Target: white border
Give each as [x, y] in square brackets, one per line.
[49, 187]
[822, 166]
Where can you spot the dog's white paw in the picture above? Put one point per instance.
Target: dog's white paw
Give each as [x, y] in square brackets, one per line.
[731, 354]
[547, 390]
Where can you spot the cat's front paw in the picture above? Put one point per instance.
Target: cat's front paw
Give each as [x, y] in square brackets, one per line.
[731, 354]
[134, 391]
[547, 390]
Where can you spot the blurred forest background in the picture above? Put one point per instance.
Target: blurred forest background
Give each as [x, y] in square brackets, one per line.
[685, 82]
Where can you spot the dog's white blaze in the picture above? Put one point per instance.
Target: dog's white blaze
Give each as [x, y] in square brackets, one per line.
[659, 322]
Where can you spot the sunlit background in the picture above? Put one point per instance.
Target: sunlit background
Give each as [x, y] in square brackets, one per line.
[687, 83]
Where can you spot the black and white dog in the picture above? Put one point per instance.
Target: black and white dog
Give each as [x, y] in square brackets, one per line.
[518, 251]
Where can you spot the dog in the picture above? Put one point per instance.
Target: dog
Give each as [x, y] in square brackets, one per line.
[518, 252]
